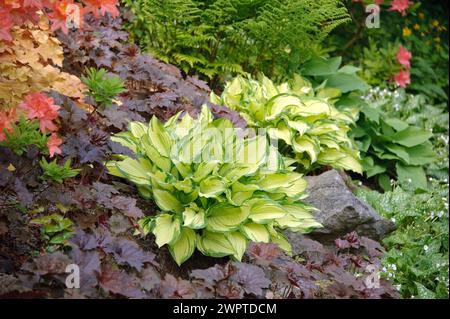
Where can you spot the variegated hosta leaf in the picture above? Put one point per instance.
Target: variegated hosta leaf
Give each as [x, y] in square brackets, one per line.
[311, 126]
[216, 191]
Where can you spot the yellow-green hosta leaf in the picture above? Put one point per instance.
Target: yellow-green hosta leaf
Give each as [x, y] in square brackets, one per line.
[166, 229]
[263, 211]
[305, 144]
[314, 106]
[135, 170]
[324, 129]
[153, 154]
[145, 191]
[113, 170]
[276, 180]
[295, 189]
[137, 129]
[238, 243]
[298, 211]
[204, 169]
[296, 224]
[340, 159]
[214, 244]
[280, 104]
[159, 137]
[184, 247]
[282, 242]
[307, 226]
[185, 185]
[299, 125]
[126, 139]
[225, 217]
[256, 232]
[212, 187]
[194, 218]
[166, 201]
[282, 132]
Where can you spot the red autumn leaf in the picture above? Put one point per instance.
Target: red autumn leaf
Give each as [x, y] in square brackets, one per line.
[100, 7]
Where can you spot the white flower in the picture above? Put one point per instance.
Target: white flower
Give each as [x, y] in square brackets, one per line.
[394, 267]
[425, 247]
[393, 219]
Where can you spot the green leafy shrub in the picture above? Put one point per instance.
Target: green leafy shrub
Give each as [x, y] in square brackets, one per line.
[391, 147]
[417, 110]
[309, 127]
[102, 87]
[417, 252]
[223, 37]
[57, 173]
[209, 199]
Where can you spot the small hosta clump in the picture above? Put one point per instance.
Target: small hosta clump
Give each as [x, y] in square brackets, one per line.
[216, 190]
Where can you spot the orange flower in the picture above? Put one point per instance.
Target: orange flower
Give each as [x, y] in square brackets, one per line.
[39, 106]
[7, 118]
[53, 144]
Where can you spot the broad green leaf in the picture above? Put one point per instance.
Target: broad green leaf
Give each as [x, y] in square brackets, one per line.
[396, 124]
[421, 154]
[346, 82]
[411, 175]
[319, 66]
[411, 136]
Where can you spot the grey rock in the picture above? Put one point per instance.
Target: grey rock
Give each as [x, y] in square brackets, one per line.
[341, 212]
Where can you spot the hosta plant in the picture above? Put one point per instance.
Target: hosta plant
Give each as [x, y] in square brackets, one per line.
[309, 127]
[393, 149]
[216, 190]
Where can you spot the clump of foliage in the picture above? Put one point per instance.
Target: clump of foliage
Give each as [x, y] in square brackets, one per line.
[57, 173]
[417, 110]
[392, 148]
[103, 88]
[225, 37]
[32, 63]
[311, 128]
[216, 191]
[56, 230]
[417, 252]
